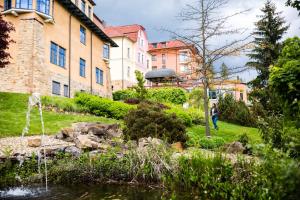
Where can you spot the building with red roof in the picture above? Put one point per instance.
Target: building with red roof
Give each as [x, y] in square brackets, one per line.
[131, 55]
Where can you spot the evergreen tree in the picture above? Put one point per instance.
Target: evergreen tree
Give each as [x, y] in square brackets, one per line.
[294, 4]
[269, 31]
[224, 72]
[140, 88]
[5, 29]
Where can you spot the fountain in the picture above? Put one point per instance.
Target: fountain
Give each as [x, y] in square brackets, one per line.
[35, 100]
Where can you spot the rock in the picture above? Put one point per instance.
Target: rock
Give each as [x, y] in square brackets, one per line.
[74, 151]
[59, 136]
[235, 147]
[83, 142]
[68, 132]
[34, 142]
[178, 147]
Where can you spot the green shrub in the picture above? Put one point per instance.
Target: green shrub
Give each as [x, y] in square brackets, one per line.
[150, 121]
[168, 95]
[196, 98]
[233, 111]
[124, 94]
[206, 143]
[180, 113]
[102, 106]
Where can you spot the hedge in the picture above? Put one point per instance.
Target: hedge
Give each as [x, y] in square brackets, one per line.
[102, 106]
[169, 95]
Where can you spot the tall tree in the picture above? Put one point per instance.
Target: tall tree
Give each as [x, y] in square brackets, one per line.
[269, 31]
[224, 72]
[206, 25]
[294, 4]
[5, 40]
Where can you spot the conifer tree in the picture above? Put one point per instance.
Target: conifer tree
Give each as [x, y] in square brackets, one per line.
[269, 31]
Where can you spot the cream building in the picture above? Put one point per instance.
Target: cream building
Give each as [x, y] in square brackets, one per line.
[131, 55]
[59, 48]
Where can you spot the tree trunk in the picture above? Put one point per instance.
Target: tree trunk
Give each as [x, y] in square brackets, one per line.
[207, 127]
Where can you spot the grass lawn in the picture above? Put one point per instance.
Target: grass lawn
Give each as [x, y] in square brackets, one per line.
[229, 132]
[13, 108]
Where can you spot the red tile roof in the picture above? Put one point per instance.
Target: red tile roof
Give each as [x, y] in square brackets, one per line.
[130, 31]
[168, 45]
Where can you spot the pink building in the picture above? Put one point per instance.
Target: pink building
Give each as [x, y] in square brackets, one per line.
[175, 55]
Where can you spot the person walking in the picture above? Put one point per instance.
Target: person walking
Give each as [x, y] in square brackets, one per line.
[214, 112]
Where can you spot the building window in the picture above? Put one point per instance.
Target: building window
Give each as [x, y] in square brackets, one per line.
[82, 35]
[241, 96]
[53, 54]
[128, 52]
[62, 57]
[66, 90]
[147, 64]
[55, 88]
[82, 68]
[183, 57]
[154, 67]
[7, 4]
[163, 44]
[128, 72]
[90, 12]
[142, 42]
[76, 2]
[154, 45]
[57, 55]
[43, 6]
[154, 57]
[105, 51]
[26, 4]
[83, 6]
[213, 94]
[139, 57]
[163, 58]
[99, 76]
[142, 59]
[164, 67]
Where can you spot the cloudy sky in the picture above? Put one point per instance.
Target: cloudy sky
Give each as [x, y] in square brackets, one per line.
[157, 14]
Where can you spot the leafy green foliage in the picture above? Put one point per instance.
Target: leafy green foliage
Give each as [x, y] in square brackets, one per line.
[140, 88]
[285, 77]
[168, 95]
[207, 143]
[150, 121]
[235, 111]
[196, 98]
[102, 106]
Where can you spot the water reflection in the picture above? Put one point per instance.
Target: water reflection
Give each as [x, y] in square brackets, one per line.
[82, 192]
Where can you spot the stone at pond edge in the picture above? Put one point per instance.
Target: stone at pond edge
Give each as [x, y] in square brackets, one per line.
[74, 151]
[34, 142]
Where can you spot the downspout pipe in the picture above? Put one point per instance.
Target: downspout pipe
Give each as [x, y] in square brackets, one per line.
[91, 62]
[123, 63]
[70, 51]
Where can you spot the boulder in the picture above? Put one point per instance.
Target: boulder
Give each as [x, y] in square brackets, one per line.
[68, 132]
[74, 151]
[235, 147]
[84, 142]
[34, 142]
[144, 142]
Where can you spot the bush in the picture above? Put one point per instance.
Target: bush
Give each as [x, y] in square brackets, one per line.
[168, 95]
[102, 106]
[150, 121]
[124, 94]
[181, 114]
[196, 98]
[233, 111]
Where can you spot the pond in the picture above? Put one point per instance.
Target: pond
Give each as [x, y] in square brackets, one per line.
[85, 192]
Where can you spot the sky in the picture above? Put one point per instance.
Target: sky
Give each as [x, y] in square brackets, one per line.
[156, 15]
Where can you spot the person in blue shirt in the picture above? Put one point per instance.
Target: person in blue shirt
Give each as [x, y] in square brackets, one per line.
[214, 112]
